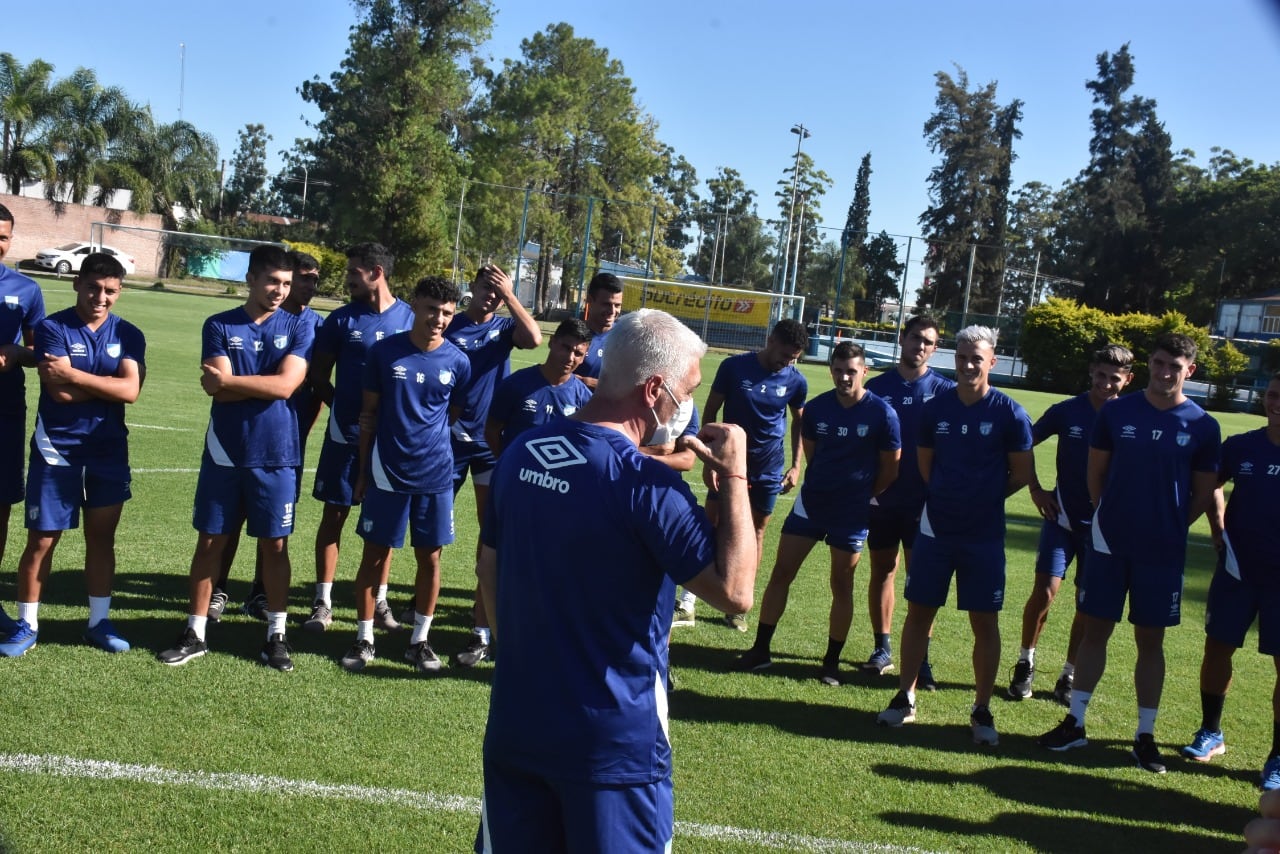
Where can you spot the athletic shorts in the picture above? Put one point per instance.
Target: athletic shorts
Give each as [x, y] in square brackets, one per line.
[527, 812]
[58, 492]
[1058, 547]
[1234, 604]
[763, 496]
[384, 516]
[13, 457]
[336, 473]
[887, 527]
[261, 498]
[1154, 590]
[473, 457]
[798, 523]
[978, 566]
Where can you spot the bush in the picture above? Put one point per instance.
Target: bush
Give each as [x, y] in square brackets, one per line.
[1222, 364]
[1058, 337]
[333, 267]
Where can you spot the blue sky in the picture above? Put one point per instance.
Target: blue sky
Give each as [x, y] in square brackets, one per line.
[727, 79]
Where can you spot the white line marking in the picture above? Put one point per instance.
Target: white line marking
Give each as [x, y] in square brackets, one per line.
[184, 471]
[158, 427]
[95, 769]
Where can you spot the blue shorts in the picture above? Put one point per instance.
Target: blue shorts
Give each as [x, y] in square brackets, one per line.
[260, 498]
[978, 566]
[527, 812]
[58, 492]
[385, 515]
[473, 457]
[762, 499]
[1234, 604]
[887, 527]
[1058, 547]
[845, 538]
[1154, 590]
[336, 473]
[13, 446]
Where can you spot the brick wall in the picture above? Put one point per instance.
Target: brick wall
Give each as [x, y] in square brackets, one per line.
[39, 224]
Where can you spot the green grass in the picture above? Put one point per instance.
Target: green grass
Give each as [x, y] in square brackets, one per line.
[774, 753]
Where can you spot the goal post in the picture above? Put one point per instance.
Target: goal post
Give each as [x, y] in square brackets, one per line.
[161, 252]
[731, 318]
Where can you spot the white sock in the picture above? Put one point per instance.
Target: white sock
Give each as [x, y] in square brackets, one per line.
[911, 697]
[1146, 721]
[382, 593]
[481, 632]
[99, 606]
[276, 622]
[421, 625]
[1080, 704]
[1028, 654]
[364, 630]
[197, 622]
[1069, 669]
[30, 611]
[687, 600]
[324, 592]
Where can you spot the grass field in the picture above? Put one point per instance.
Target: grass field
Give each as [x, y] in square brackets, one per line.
[122, 753]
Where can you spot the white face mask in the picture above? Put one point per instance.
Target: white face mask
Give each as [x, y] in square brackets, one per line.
[667, 433]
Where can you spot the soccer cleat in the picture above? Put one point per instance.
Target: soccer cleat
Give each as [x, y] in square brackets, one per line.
[880, 662]
[901, 711]
[830, 675]
[683, 616]
[275, 653]
[382, 618]
[1065, 736]
[1205, 745]
[103, 635]
[1271, 774]
[736, 621]
[422, 657]
[1146, 754]
[409, 611]
[321, 617]
[21, 639]
[983, 726]
[1020, 685]
[7, 624]
[753, 659]
[217, 604]
[255, 606]
[476, 652]
[924, 678]
[1062, 689]
[188, 647]
[358, 656]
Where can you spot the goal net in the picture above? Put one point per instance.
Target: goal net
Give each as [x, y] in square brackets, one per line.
[178, 254]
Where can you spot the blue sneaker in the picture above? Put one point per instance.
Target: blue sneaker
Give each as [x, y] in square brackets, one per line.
[1205, 745]
[880, 662]
[7, 624]
[20, 640]
[1271, 774]
[103, 635]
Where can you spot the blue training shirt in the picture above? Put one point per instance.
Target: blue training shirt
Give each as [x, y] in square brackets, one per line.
[847, 443]
[346, 335]
[585, 699]
[488, 346]
[1143, 514]
[66, 432]
[757, 401]
[908, 400]
[592, 362]
[1071, 421]
[417, 388]
[525, 399]
[1251, 461]
[22, 309]
[254, 433]
[971, 446]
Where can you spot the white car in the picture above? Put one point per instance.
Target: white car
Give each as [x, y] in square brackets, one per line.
[68, 258]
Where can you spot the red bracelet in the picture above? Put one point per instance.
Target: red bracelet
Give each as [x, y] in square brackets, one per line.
[738, 476]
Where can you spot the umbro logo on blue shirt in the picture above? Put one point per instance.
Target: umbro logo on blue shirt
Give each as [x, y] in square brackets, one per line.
[555, 452]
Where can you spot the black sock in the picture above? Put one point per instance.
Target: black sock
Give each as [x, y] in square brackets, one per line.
[764, 636]
[882, 642]
[927, 642]
[1211, 711]
[832, 658]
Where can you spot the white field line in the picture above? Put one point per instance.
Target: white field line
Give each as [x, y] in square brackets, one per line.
[94, 769]
[136, 470]
[158, 427]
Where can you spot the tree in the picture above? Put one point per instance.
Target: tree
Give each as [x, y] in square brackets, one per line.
[88, 120]
[26, 110]
[810, 186]
[732, 234]
[246, 191]
[882, 272]
[855, 224]
[170, 168]
[968, 191]
[677, 186]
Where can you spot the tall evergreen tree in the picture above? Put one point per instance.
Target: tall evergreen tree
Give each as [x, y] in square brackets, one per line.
[247, 189]
[811, 185]
[855, 224]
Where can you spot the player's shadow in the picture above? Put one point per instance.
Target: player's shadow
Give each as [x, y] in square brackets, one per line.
[1145, 809]
[132, 591]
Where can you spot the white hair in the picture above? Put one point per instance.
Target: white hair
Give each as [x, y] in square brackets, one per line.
[646, 343]
[977, 335]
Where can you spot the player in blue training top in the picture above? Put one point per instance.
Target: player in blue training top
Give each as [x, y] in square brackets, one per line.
[895, 513]
[1153, 463]
[974, 451]
[540, 393]
[1065, 532]
[851, 446]
[337, 377]
[22, 311]
[601, 310]
[756, 390]
[1246, 584]
[414, 386]
[583, 763]
[253, 358]
[488, 340]
[91, 364]
[306, 405]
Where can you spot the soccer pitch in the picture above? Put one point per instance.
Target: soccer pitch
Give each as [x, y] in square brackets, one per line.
[121, 753]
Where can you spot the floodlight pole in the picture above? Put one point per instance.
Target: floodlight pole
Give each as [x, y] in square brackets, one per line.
[803, 133]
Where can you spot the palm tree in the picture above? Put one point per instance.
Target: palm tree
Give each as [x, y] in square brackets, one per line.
[26, 108]
[90, 119]
[166, 166]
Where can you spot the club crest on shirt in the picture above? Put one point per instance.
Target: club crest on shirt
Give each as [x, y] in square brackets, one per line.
[924, 398]
[280, 341]
[863, 430]
[984, 428]
[1184, 439]
[494, 333]
[113, 349]
[445, 377]
[11, 300]
[781, 391]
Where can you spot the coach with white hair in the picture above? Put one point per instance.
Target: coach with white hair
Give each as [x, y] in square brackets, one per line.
[576, 753]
